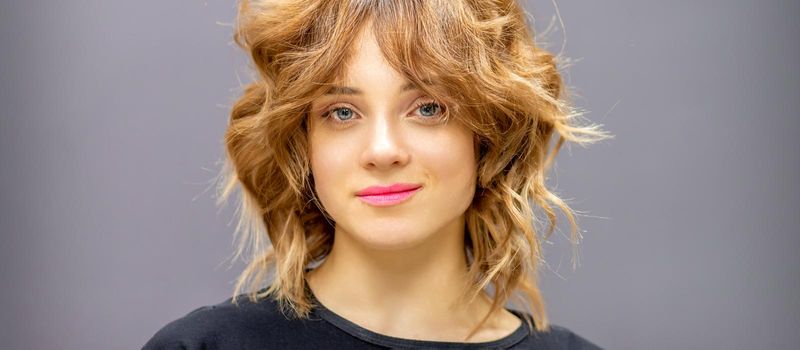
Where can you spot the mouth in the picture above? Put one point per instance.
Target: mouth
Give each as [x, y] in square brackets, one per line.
[387, 196]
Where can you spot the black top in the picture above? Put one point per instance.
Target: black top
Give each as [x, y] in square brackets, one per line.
[261, 325]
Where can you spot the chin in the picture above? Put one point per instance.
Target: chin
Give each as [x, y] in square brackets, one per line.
[390, 237]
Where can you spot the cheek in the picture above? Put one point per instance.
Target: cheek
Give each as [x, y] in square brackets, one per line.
[450, 157]
[329, 165]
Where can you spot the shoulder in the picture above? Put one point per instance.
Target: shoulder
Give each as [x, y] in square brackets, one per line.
[558, 337]
[223, 325]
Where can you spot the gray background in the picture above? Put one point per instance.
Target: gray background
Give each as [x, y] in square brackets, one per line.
[113, 112]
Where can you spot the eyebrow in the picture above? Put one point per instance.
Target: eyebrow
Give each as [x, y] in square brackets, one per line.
[346, 90]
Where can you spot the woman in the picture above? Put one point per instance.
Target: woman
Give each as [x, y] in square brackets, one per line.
[391, 152]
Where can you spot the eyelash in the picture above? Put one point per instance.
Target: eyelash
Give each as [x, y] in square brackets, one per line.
[432, 120]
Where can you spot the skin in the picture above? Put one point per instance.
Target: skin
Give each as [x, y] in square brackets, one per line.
[407, 260]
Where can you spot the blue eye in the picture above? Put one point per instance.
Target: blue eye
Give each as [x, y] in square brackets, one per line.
[342, 113]
[429, 109]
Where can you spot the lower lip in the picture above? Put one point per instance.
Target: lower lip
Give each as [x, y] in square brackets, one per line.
[388, 199]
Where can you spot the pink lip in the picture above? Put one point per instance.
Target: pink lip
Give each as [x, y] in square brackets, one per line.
[387, 195]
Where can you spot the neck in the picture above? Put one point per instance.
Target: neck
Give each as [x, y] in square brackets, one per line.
[400, 292]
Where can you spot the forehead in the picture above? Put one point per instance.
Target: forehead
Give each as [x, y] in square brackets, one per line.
[367, 58]
[367, 70]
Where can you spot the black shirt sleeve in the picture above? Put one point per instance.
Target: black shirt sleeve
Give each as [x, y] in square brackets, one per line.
[192, 331]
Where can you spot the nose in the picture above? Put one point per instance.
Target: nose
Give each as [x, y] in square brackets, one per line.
[385, 146]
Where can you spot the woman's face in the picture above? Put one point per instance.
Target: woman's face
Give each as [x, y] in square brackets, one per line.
[386, 168]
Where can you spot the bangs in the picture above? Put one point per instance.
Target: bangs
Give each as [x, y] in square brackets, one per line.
[414, 38]
[466, 54]
[475, 57]
[425, 42]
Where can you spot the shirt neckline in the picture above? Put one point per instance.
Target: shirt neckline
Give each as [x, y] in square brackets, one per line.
[395, 342]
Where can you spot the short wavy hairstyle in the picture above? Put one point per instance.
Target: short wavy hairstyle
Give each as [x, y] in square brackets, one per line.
[486, 68]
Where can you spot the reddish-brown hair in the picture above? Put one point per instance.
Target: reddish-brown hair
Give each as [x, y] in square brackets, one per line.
[487, 70]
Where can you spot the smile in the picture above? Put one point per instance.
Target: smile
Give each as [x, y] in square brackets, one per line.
[384, 197]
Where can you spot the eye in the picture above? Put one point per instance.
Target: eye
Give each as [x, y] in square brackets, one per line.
[342, 113]
[429, 109]
[339, 115]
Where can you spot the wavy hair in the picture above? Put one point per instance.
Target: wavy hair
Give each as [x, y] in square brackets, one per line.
[488, 71]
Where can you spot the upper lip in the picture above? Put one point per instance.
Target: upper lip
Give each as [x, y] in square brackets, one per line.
[394, 188]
